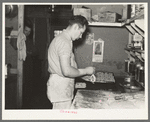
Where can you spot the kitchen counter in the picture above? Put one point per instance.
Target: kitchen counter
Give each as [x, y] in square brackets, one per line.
[105, 99]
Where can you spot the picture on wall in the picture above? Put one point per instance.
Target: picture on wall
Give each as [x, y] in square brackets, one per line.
[98, 49]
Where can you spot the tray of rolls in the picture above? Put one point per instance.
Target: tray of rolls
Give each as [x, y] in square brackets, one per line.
[100, 77]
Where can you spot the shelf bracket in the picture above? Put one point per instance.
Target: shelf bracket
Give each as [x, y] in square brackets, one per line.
[132, 31]
[137, 29]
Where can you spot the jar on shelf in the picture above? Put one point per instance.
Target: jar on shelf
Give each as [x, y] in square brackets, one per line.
[137, 44]
[137, 38]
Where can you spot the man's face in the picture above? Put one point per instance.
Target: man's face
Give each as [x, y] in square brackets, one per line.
[78, 32]
[27, 31]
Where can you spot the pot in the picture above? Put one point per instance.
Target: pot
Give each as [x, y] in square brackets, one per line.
[11, 11]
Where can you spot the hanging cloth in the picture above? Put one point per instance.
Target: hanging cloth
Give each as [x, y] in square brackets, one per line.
[21, 46]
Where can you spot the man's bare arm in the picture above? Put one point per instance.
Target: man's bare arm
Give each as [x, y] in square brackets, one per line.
[69, 71]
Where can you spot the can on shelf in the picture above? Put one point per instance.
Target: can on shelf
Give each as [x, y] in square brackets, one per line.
[141, 74]
[132, 68]
[127, 65]
[129, 80]
[137, 71]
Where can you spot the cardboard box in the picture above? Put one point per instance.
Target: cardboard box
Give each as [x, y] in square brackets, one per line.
[83, 11]
[108, 17]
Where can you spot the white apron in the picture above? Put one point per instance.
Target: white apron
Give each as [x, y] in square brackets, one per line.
[60, 88]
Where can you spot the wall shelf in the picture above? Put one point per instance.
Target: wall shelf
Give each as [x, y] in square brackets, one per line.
[141, 84]
[140, 23]
[13, 34]
[133, 28]
[137, 19]
[132, 31]
[135, 50]
[106, 24]
[137, 29]
[136, 53]
[9, 37]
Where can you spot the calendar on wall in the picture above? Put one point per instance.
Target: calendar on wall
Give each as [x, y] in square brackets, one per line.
[98, 50]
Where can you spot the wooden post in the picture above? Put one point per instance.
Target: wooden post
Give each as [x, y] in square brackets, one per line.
[20, 62]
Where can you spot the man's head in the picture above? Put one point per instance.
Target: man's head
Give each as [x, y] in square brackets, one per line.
[78, 25]
[27, 28]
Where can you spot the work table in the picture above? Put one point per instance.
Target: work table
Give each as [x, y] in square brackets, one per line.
[107, 96]
[104, 99]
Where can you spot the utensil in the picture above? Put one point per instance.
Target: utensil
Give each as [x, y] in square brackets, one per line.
[93, 78]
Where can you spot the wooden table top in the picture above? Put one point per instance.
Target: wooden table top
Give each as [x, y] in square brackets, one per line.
[102, 99]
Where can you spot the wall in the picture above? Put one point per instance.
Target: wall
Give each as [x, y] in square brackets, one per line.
[41, 36]
[115, 40]
[10, 52]
[12, 22]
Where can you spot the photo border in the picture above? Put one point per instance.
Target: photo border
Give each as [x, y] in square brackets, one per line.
[44, 110]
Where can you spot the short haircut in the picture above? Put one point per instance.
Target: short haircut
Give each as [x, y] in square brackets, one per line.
[78, 19]
[28, 23]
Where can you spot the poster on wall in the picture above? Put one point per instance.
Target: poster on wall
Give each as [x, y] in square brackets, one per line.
[89, 38]
[98, 50]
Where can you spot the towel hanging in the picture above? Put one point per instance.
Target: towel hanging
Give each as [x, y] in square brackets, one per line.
[21, 46]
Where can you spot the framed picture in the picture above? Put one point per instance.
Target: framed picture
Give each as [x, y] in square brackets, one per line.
[98, 50]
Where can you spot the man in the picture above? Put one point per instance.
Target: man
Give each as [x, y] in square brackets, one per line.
[27, 30]
[28, 64]
[30, 48]
[62, 65]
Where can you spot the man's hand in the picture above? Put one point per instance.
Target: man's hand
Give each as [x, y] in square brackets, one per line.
[90, 70]
[93, 78]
